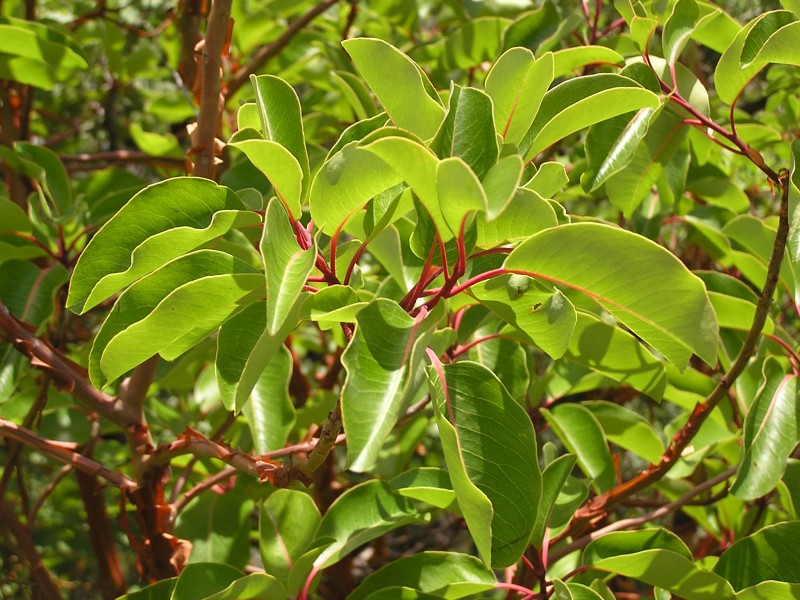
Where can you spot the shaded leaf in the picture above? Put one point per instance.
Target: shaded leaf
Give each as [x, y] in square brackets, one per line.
[630, 542]
[768, 554]
[269, 411]
[252, 587]
[426, 484]
[198, 581]
[288, 520]
[627, 429]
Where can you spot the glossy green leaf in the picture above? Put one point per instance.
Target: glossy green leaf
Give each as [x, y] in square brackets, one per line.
[287, 265]
[631, 185]
[554, 477]
[459, 193]
[447, 574]
[169, 311]
[678, 28]
[269, 411]
[611, 146]
[571, 59]
[281, 118]
[363, 513]
[245, 348]
[670, 571]
[490, 451]
[735, 313]
[381, 361]
[400, 85]
[630, 542]
[526, 214]
[550, 178]
[627, 429]
[288, 520]
[217, 526]
[280, 167]
[631, 290]
[768, 554]
[517, 83]
[578, 103]
[616, 354]
[344, 184]
[771, 431]
[198, 581]
[335, 303]
[255, 586]
[769, 589]
[467, 130]
[160, 223]
[582, 435]
[544, 315]
[736, 68]
[426, 484]
[573, 591]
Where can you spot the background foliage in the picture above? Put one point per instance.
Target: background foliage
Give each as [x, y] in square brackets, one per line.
[399, 299]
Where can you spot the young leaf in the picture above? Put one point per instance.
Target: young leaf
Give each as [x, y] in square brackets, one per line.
[500, 184]
[169, 311]
[768, 554]
[400, 85]
[280, 167]
[160, 223]
[571, 59]
[281, 118]
[288, 520]
[678, 28]
[580, 102]
[380, 361]
[448, 574]
[582, 435]
[459, 192]
[771, 432]
[287, 265]
[517, 83]
[490, 450]
[627, 275]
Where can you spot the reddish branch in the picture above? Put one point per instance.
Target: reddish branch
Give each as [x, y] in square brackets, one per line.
[265, 53]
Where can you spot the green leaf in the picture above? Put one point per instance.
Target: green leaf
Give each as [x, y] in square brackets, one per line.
[447, 574]
[335, 303]
[280, 167]
[550, 178]
[269, 411]
[616, 354]
[287, 265]
[545, 316]
[160, 223]
[459, 192]
[400, 85]
[571, 59]
[217, 526]
[363, 513]
[631, 185]
[630, 289]
[29, 292]
[474, 42]
[158, 591]
[356, 94]
[771, 431]
[381, 361]
[345, 183]
[526, 214]
[27, 71]
[768, 554]
[770, 589]
[678, 28]
[252, 587]
[288, 520]
[580, 102]
[736, 313]
[509, 361]
[402, 593]
[627, 429]
[53, 175]
[198, 581]
[245, 348]
[17, 39]
[611, 146]
[670, 571]
[573, 591]
[467, 130]
[582, 435]
[630, 542]
[490, 451]
[554, 477]
[517, 83]
[500, 184]
[281, 118]
[426, 484]
[169, 311]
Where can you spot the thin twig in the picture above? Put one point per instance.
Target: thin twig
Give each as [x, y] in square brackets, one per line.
[180, 503]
